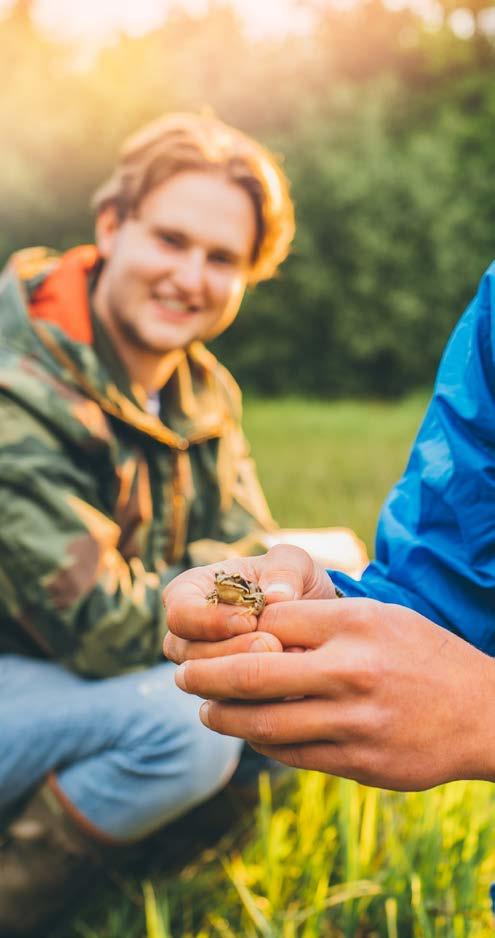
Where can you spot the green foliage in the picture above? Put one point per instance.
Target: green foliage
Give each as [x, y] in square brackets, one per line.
[394, 230]
[332, 859]
[388, 143]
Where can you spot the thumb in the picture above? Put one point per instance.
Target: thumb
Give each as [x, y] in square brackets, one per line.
[283, 573]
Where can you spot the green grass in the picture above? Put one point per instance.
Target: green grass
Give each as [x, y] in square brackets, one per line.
[324, 464]
[329, 858]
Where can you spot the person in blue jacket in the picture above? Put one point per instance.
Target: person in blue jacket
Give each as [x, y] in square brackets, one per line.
[393, 684]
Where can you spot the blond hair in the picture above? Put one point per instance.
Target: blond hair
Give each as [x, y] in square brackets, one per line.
[180, 142]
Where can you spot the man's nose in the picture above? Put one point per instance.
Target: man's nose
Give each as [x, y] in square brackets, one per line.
[190, 271]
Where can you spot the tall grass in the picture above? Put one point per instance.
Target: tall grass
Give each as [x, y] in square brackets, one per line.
[327, 858]
[330, 859]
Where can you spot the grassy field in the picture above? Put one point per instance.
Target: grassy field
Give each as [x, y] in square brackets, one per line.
[327, 858]
[327, 464]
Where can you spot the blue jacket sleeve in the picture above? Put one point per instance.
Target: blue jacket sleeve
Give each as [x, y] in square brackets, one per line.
[435, 544]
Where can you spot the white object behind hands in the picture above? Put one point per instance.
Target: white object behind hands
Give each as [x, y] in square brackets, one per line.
[336, 548]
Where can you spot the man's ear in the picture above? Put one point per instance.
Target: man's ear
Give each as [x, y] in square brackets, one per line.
[106, 227]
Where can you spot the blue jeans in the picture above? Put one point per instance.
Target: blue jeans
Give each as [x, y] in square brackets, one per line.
[130, 753]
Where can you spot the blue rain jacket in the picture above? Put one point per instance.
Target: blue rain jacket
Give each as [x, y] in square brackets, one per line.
[435, 543]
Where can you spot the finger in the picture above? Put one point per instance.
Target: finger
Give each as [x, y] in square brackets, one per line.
[320, 757]
[312, 623]
[254, 677]
[287, 573]
[282, 722]
[190, 617]
[179, 650]
[334, 758]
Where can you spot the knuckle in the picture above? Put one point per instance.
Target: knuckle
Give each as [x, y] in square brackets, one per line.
[262, 726]
[355, 764]
[325, 670]
[358, 670]
[369, 767]
[367, 614]
[360, 614]
[211, 628]
[206, 631]
[356, 759]
[272, 618]
[379, 726]
[295, 757]
[247, 679]
[365, 676]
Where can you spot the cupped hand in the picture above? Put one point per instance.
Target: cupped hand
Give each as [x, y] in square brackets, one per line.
[198, 630]
[383, 696]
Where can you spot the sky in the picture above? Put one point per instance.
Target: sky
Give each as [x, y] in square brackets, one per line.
[96, 20]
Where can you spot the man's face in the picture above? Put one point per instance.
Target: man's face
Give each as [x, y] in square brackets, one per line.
[177, 270]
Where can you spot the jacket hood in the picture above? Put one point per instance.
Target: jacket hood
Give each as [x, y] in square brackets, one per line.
[40, 285]
[62, 296]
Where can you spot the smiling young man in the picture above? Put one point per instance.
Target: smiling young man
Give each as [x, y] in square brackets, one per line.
[122, 462]
[175, 271]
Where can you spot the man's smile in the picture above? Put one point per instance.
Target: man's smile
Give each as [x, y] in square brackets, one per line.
[174, 308]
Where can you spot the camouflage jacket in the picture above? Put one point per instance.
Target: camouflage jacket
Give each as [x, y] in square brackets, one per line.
[101, 503]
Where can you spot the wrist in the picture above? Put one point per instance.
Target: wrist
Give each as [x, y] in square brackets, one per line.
[479, 749]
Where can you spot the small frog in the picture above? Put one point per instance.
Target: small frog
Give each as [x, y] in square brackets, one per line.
[232, 588]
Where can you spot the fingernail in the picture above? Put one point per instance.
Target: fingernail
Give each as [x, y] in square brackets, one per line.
[180, 677]
[285, 588]
[260, 644]
[203, 713]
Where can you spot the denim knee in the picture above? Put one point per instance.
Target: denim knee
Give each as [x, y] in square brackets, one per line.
[157, 760]
[167, 741]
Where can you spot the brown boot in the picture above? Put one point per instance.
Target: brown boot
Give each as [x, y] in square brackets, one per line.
[47, 862]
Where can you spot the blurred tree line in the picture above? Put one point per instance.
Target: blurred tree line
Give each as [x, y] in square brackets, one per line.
[385, 127]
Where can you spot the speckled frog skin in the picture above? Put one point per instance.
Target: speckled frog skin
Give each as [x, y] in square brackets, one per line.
[233, 589]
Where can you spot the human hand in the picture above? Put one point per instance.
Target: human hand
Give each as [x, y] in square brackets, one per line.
[384, 696]
[197, 630]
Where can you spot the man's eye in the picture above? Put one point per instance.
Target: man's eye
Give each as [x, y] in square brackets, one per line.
[171, 239]
[222, 259]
